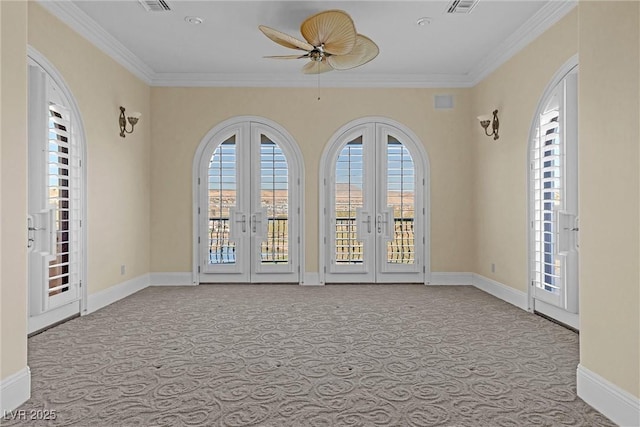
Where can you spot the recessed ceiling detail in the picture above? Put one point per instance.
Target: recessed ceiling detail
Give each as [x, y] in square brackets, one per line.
[155, 5]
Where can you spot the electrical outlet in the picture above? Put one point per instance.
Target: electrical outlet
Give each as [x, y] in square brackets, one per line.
[122, 270]
[493, 268]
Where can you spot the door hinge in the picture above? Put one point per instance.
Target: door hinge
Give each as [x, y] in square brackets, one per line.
[198, 181]
[424, 268]
[79, 163]
[198, 239]
[298, 181]
[198, 210]
[198, 269]
[298, 211]
[423, 181]
[298, 269]
[423, 211]
[80, 223]
[325, 269]
[80, 284]
[423, 240]
[298, 239]
[325, 240]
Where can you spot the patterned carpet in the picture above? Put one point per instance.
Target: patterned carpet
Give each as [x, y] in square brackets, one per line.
[286, 355]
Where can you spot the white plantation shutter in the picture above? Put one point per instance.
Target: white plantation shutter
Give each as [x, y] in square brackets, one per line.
[548, 200]
[63, 184]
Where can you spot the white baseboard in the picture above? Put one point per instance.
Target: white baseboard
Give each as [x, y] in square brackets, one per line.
[451, 279]
[172, 279]
[616, 404]
[504, 292]
[15, 390]
[114, 293]
[311, 279]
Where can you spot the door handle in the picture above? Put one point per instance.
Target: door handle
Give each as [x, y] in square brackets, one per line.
[368, 221]
[571, 229]
[244, 223]
[254, 227]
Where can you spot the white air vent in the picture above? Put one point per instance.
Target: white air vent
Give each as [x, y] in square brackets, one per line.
[443, 102]
[462, 6]
[154, 5]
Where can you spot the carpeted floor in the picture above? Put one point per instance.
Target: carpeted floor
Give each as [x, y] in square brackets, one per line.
[286, 355]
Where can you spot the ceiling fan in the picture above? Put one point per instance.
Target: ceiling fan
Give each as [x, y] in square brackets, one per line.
[331, 43]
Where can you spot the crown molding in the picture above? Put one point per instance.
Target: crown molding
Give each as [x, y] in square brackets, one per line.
[80, 22]
[334, 80]
[540, 22]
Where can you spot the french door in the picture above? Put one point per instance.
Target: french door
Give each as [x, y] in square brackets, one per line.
[54, 205]
[554, 192]
[375, 216]
[249, 207]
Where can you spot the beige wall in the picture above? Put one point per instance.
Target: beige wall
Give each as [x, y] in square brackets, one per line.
[140, 193]
[500, 168]
[13, 188]
[609, 117]
[118, 170]
[182, 116]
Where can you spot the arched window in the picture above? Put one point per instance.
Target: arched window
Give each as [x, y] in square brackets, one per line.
[374, 204]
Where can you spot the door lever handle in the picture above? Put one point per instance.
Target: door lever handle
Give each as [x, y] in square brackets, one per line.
[368, 221]
[572, 229]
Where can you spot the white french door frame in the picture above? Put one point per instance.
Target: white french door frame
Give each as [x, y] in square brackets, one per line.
[77, 305]
[248, 128]
[570, 316]
[363, 127]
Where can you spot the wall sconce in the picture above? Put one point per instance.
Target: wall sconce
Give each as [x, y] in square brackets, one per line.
[485, 120]
[133, 120]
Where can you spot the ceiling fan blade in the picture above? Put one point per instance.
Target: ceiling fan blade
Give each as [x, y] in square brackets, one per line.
[334, 29]
[285, 39]
[286, 56]
[364, 51]
[316, 67]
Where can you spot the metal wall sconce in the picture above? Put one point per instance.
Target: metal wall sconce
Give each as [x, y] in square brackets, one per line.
[485, 120]
[133, 120]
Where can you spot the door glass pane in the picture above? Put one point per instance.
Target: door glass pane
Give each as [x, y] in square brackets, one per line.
[222, 198]
[59, 177]
[548, 179]
[348, 198]
[274, 200]
[401, 184]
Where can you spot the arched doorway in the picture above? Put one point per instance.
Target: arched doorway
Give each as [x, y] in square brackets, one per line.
[374, 213]
[553, 199]
[56, 199]
[248, 192]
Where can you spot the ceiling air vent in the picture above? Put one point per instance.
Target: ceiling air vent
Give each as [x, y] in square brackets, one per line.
[462, 6]
[154, 5]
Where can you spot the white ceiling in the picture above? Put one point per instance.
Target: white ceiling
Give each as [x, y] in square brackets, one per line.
[227, 49]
